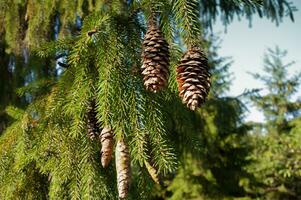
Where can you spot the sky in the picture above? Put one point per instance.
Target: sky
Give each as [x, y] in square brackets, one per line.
[246, 45]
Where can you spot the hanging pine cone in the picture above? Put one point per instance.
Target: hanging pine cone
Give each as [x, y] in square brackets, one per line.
[106, 139]
[92, 123]
[153, 172]
[122, 168]
[155, 57]
[193, 78]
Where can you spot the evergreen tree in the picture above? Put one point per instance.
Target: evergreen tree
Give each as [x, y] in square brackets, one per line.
[276, 165]
[276, 104]
[276, 155]
[46, 152]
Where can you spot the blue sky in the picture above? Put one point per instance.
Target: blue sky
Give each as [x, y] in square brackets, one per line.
[246, 45]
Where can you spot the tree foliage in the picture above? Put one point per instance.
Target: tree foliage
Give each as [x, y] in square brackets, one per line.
[277, 106]
[276, 165]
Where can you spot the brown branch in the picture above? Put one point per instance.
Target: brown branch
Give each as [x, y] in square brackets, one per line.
[91, 32]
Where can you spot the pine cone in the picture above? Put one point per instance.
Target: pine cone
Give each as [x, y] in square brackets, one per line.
[193, 78]
[122, 168]
[152, 172]
[106, 139]
[155, 56]
[92, 124]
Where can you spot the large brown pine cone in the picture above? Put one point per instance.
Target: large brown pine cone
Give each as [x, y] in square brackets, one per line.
[193, 78]
[155, 57]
